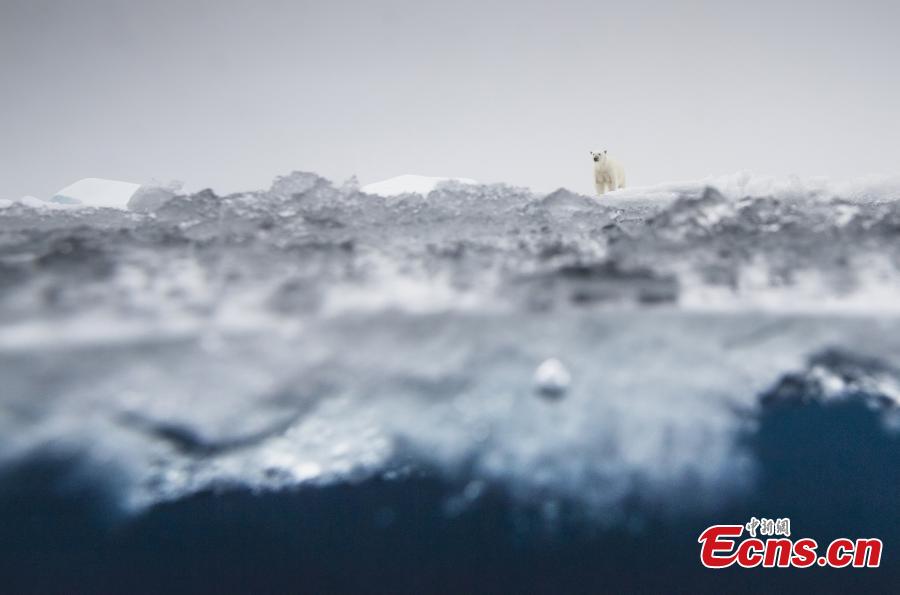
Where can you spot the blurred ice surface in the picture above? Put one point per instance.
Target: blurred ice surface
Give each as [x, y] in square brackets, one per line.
[310, 333]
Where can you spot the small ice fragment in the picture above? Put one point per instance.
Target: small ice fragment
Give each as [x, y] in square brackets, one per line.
[552, 379]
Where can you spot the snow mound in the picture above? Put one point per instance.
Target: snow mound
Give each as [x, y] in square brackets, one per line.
[410, 184]
[97, 192]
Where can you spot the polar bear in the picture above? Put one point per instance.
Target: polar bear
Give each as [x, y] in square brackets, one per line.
[609, 174]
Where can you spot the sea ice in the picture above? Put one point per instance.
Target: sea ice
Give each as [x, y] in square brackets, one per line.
[309, 333]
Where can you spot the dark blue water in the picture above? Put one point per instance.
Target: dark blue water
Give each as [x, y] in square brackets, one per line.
[834, 470]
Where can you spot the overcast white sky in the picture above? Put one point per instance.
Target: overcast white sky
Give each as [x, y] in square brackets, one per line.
[230, 93]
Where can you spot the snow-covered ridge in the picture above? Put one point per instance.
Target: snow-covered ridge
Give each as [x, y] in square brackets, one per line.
[93, 193]
[748, 184]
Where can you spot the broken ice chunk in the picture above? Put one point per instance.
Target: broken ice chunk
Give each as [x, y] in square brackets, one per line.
[153, 195]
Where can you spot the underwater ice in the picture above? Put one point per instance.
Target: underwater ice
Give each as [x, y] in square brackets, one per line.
[552, 379]
[310, 333]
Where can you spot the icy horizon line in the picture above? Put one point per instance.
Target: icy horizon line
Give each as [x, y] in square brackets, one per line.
[740, 184]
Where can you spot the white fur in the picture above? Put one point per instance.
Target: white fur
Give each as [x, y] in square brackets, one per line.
[609, 174]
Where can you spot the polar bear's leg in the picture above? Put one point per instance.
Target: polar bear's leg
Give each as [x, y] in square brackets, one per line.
[601, 187]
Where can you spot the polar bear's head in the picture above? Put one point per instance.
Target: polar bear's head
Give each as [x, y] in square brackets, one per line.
[599, 156]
